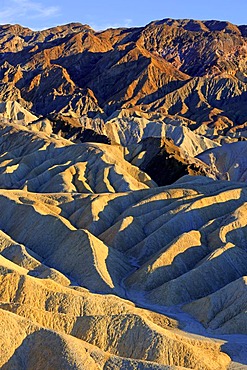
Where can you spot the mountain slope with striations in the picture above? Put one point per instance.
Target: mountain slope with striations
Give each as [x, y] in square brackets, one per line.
[194, 69]
[123, 197]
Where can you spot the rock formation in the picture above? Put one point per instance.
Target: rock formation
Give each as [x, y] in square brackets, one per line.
[123, 197]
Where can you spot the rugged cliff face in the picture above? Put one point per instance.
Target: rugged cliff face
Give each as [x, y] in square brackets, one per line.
[123, 197]
[189, 68]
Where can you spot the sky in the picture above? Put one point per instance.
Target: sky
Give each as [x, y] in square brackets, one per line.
[102, 14]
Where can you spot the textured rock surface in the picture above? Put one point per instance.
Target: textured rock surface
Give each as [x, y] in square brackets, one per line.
[156, 246]
[223, 311]
[191, 68]
[32, 290]
[228, 163]
[134, 237]
[42, 164]
[102, 267]
[30, 340]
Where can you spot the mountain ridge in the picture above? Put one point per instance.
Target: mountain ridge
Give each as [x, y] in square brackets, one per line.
[123, 197]
[157, 70]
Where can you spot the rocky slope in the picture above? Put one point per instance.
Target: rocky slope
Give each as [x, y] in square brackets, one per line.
[194, 69]
[40, 164]
[113, 254]
[39, 284]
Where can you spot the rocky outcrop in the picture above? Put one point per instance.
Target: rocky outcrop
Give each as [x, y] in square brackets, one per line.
[112, 255]
[228, 162]
[41, 164]
[193, 69]
[54, 292]
[224, 310]
[31, 340]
